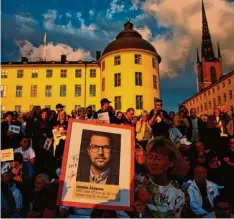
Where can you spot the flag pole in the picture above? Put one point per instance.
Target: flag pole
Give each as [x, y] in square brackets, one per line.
[44, 47]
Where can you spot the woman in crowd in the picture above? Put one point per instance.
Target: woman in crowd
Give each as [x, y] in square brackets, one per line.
[143, 129]
[62, 121]
[181, 121]
[156, 196]
[74, 114]
[119, 118]
[43, 201]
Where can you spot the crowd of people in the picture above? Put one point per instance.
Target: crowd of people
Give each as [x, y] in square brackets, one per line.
[184, 164]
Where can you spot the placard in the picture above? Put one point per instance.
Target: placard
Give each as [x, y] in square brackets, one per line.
[7, 155]
[14, 128]
[104, 117]
[47, 144]
[98, 166]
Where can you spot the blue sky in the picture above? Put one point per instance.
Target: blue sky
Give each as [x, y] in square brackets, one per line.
[80, 27]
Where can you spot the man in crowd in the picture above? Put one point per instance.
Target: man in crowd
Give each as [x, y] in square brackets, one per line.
[129, 116]
[227, 118]
[153, 113]
[222, 208]
[89, 113]
[202, 192]
[100, 155]
[195, 130]
[104, 114]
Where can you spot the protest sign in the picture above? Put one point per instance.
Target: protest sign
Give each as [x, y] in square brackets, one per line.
[104, 117]
[14, 128]
[106, 147]
[7, 155]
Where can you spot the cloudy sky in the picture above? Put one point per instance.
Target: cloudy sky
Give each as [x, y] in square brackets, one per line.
[80, 27]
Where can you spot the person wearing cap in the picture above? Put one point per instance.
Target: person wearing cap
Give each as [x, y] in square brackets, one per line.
[105, 103]
[59, 108]
[202, 192]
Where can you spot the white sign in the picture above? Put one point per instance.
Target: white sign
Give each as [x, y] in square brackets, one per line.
[7, 155]
[14, 128]
[104, 117]
[47, 144]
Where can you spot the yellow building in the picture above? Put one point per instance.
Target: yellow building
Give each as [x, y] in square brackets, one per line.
[218, 93]
[127, 73]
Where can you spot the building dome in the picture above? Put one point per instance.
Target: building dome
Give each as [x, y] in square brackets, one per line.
[130, 39]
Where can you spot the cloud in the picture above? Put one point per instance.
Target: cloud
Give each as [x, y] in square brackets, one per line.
[53, 51]
[178, 46]
[26, 22]
[91, 12]
[145, 33]
[114, 9]
[84, 30]
[135, 4]
[68, 14]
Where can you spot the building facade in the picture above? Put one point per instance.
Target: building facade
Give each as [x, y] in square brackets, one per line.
[127, 73]
[214, 88]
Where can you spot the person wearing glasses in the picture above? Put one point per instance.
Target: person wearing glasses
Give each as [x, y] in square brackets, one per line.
[100, 156]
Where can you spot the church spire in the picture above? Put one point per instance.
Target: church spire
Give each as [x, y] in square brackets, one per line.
[219, 53]
[198, 59]
[207, 48]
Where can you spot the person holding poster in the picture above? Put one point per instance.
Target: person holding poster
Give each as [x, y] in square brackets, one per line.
[100, 155]
[104, 114]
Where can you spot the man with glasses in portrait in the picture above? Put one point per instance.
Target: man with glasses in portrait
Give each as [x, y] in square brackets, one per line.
[100, 156]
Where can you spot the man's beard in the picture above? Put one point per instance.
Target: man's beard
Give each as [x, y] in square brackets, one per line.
[102, 166]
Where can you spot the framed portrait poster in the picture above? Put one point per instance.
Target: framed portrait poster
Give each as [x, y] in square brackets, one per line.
[98, 166]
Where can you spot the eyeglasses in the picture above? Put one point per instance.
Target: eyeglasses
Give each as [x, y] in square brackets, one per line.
[95, 148]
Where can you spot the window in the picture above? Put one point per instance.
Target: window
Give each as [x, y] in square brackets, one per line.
[209, 104]
[205, 106]
[224, 97]
[92, 73]
[218, 88]
[33, 91]
[4, 73]
[19, 90]
[213, 76]
[208, 92]
[77, 107]
[77, 90]
[229, 81]
[93, 107]
[154, 63]
[155, 83]
[49, 73]
[193, 101]
[48, 106]
[139, 102]
[92, 90]
[63, 73]
[230, 94]
[200, 97]
[118, 103]
[197, 99]
[18, 108]
[34, 73]
[78, 73]
[138, 78]
[48, 91]
[214, 102]
[213, 90]
[103, 84]
[117, 60]
[63, 90]
[103, 65]
[205, 95]
[223, 84]
[138, 59]
[2, 108]
[201, 108]
[219, 100]
[3, 90]
[117, 80]
[20, 73]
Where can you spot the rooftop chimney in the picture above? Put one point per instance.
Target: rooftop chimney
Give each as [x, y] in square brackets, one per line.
[24, 59]
[98, 55]
[63, 58]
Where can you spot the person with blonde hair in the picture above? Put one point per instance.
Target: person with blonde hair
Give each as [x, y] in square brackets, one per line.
[155, 190]
[143, 129]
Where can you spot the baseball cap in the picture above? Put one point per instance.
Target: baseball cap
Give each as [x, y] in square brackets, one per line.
[185, 141]
[59, 105]
[104, 100]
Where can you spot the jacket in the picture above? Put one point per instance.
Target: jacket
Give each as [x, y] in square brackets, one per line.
[196, 198]
[200, 126]
[140, 129]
